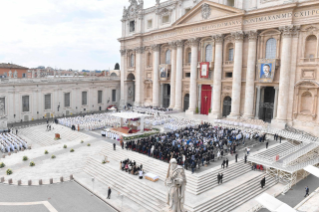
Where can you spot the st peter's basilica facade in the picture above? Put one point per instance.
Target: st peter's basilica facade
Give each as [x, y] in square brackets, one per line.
[253, 59]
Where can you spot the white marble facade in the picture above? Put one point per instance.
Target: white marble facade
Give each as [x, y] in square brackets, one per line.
[25, 98]
[243, 37]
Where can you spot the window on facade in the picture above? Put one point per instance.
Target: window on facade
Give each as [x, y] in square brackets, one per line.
[187, 75]
[25, 103]
[132, 26]
[229, 74]
[168, 57]
[84, 98]
[23, 75]
[231, 54]
[47, 101]
[209, 53]
[67, 100]
[165, 19]
[99, 97]
[188, 56]
[149, 59]
[113, 95]
[311, 47]
[5, 75]
[131, 60]
[271, 48]
[231, 3]
[149, 24]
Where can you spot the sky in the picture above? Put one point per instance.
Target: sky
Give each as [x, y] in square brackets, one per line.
[66, 34]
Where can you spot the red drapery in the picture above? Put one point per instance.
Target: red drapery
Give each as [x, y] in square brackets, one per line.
[206, 99]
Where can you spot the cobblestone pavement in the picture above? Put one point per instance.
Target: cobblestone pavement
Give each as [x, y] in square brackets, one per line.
[64, 197]
[296, 194]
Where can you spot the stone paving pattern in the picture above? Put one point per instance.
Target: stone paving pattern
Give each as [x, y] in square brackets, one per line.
[24, 208]
[64, 197]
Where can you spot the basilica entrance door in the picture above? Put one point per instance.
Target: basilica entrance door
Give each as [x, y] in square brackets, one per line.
[186, 102]
[206, 99]
[166, 95]
[266, 109]
[226, 106]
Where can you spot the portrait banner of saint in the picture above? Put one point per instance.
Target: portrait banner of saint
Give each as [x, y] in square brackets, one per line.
[204, 70]
[266, 70]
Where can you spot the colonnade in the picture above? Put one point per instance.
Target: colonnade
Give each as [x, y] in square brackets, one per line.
[176, 76]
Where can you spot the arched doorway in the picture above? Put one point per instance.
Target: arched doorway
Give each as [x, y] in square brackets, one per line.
[226, 106]
[266, 108]
[130, 86]
[186, 102]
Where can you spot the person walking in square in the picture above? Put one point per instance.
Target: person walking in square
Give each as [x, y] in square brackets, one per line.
[245, 158]
[263, 182]
[223, 164]
[236, 157]
[114, 146]
[226, 162]
[267, 145]
[109, 191]
[221, 178]
[307, 191]
[218, 178]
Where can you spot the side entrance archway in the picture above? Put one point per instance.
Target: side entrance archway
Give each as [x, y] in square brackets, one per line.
[186, 102]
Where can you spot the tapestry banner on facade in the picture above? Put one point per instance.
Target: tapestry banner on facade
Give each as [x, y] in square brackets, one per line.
[266, 70]
[204, 70]
[163, 71]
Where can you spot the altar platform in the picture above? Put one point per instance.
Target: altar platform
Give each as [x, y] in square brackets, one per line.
[125, 130]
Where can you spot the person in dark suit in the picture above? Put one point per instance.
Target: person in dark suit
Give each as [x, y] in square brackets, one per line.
[279, 139]
[267, 145]
[263, 182]
[221, 178]
[223, 164]
[114, 146]
[236, 157]
[245, 158]
[307, 191]
[109, 191]
[226, 162]
[218, 178]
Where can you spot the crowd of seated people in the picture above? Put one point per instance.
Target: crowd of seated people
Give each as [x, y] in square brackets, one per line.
[131, 167]
[192, 147]
[11, 142]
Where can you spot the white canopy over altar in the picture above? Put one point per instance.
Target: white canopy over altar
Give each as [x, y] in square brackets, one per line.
[132, 115]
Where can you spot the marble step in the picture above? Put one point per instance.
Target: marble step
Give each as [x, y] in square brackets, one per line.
[234, 198]
[132, 188]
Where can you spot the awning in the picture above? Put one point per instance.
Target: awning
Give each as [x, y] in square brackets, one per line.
[273, 204]
[312, 170]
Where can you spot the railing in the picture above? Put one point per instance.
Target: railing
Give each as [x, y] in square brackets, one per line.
[299, 154]
[302, 165]
[57, 79]
[229, 62]
[310, 60]
[289, 151]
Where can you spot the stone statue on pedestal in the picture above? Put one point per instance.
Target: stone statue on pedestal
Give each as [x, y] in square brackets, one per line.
[3, 116]
[176, 181]
[10, 74]
[15, 75]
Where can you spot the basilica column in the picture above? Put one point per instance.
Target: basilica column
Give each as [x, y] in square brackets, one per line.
[193, 88]
[257, 102]
[123, 55]
[250, 75]
[138, 71]
[173, 74]
[236, 87]
[287, 32]
[179, 75]
[275, 102]
[217, 76]
[156, 94]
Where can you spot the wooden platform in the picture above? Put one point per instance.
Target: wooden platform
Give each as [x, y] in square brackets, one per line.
[121, 130]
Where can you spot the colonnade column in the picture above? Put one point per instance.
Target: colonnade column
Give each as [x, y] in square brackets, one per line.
[156, 94]
[193, 88]
[250, 75]
[179, 75]
[217, 76]
[123, 101]
[284, 74]
[236, 87]
[173, 74]
[138, 81]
